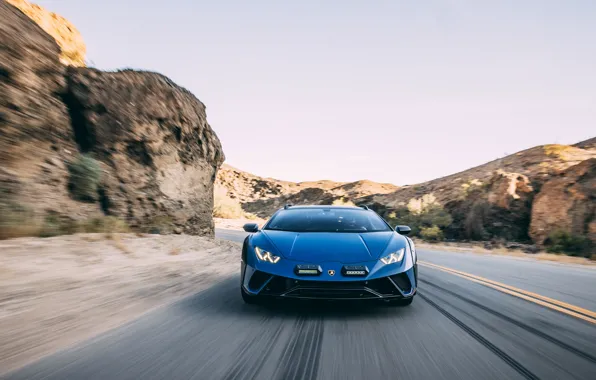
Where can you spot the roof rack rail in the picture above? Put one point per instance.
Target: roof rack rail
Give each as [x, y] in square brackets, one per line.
[287, 206]
[365, 207]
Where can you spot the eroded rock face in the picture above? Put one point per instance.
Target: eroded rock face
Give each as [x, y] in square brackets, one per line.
[499, 208]
[568, 203]
[72, 46]
[157, 154]
[35, 133]
[160, 154]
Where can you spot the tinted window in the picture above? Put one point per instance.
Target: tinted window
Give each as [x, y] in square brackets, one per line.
[327, 220]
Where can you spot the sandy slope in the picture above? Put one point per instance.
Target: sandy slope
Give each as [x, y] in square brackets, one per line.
[57, 291]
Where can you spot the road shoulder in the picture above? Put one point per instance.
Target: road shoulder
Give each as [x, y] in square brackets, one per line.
[58, 291]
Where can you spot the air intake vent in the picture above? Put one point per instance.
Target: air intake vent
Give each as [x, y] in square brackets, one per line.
[403, 282]
[257, 280]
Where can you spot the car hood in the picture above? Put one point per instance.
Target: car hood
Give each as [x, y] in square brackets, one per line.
[318, 247]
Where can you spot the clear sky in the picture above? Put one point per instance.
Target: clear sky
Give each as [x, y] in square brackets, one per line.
[395, 91]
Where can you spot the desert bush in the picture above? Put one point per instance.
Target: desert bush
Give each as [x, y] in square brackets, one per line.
[343, 202]
[435, 215]
[105, 224]
[433, 233]
[563, 242]
[420, 215]
[84, 179]
[56, 225]
[17, 220]
[226, 208]
[557, 150]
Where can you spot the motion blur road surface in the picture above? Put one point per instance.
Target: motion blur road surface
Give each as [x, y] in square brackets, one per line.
[475, 317]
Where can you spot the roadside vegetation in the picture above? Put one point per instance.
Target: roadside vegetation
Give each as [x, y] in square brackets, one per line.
[226, 208]
[431, 223]
[573, 245]
[18, 221]
[84, 178]
[425, 216]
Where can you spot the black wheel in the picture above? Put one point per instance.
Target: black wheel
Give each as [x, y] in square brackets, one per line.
[402, 302]
[247, 298]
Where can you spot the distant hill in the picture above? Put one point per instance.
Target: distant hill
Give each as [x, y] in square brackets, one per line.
[489, 201]
[243, 193]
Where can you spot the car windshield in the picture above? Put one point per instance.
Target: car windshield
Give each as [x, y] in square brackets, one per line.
[327, 220]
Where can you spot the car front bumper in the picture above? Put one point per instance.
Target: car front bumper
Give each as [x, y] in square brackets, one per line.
[396, 286]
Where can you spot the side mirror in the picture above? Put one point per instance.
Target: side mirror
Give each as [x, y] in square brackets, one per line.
[403, 230]
[251, 227]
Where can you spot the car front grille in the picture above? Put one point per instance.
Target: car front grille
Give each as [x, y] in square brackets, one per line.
[293, 288]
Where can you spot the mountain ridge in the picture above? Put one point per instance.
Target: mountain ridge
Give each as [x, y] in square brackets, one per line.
[488, 201]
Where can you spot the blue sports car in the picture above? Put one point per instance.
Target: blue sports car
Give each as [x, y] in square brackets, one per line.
[328, 252]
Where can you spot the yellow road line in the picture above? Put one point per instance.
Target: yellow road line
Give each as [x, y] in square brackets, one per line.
[563, 307]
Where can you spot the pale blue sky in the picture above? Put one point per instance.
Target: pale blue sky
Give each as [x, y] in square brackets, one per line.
[395, 91]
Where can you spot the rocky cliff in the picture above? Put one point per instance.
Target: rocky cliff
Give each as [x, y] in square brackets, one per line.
[78, 143]
[72, 46]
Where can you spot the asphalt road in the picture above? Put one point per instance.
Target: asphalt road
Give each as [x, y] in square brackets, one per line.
[486, 321]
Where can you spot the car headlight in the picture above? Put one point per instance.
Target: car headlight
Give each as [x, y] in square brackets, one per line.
[395, 257]
[263, 255]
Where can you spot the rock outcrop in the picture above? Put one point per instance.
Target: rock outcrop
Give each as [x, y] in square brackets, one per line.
[72, 46]
[156, 155]
[567, 203]
[499, 207]
[159, 153]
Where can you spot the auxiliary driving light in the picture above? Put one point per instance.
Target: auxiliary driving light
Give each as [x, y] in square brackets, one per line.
[307, 270]
[354, 270]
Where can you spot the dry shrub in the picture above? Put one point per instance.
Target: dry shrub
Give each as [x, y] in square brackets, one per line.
[106, 224]
[175, 251]
[84, 178]
[226, 208]
[557, 150]
[17, 220]
[433, 233]
[343, 202]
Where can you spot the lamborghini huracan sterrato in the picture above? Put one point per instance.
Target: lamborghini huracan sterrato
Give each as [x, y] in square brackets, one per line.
[328, 252]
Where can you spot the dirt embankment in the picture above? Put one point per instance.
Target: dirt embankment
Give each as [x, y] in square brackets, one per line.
[57, 291]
